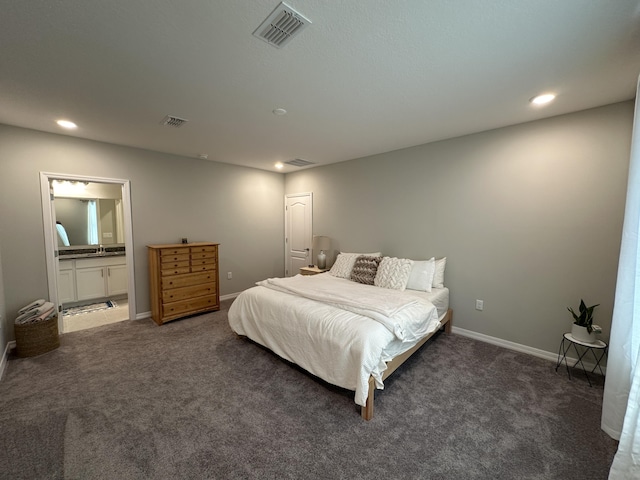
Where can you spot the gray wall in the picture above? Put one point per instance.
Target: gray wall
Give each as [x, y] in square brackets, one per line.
[172, 197]
[3, 312]
[529, 217]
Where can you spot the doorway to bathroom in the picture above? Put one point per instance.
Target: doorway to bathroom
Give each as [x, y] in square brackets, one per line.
[89, 249]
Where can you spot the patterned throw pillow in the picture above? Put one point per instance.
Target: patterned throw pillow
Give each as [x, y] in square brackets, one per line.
[393, 273]
[344, 263]
[364, 269]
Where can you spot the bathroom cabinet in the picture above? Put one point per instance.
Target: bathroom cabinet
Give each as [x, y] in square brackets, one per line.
[91, 278]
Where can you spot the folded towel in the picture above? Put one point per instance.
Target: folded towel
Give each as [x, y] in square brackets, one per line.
[31, 306]
[38, 314]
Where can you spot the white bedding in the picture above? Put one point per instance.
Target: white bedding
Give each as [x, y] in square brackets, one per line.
[342, 346]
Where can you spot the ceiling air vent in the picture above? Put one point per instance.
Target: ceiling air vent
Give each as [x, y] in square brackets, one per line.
[298, 162]
[171, 121]
[281, 26]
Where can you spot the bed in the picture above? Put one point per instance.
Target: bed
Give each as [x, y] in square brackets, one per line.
[349, 334]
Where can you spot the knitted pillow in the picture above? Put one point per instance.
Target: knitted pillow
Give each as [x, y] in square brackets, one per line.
[364, 269]
[393, 273]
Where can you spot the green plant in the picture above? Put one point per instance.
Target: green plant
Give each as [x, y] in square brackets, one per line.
[585, 318]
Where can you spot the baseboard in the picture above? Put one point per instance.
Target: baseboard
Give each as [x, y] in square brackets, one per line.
[5, 357]
[229, 296]
[536, 352]
[143, 315]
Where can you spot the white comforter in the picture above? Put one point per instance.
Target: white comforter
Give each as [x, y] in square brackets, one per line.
[338, 330]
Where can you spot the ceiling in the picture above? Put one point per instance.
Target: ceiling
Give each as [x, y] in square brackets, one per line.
[365, 77]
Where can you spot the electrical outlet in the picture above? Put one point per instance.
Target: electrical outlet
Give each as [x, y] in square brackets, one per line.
[479, 304]
[229, 275]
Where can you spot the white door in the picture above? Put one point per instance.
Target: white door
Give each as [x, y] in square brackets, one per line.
[298, 232]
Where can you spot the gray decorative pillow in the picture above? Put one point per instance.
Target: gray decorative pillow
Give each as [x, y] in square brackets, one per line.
[365, 268]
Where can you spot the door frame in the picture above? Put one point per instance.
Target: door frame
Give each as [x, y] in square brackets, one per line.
[50, 239]
[287, 256]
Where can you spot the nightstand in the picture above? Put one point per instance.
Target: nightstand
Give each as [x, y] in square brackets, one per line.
[312, 270]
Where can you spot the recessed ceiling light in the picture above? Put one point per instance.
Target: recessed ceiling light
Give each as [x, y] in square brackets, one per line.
[66, 124]
[543, 99]
[279, 111]
[203, 156]
[279, 165]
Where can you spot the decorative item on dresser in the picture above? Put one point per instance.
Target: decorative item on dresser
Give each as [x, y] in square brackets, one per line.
[183, 280]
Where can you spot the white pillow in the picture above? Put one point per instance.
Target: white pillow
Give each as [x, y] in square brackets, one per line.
[393, 273]
[422, 273]
[438, 276]
[344, 263]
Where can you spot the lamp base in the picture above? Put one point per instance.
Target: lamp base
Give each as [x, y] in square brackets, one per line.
[322, 260]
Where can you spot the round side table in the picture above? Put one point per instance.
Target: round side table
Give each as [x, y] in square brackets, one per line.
[598, 349]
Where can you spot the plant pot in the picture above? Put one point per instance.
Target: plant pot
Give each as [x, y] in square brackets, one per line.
[582, 334]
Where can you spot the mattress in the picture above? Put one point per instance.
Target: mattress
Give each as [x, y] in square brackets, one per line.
[340, 346]
[438, 296]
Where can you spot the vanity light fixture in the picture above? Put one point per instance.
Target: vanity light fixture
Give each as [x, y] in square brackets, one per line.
[543, 99]
[67, 124]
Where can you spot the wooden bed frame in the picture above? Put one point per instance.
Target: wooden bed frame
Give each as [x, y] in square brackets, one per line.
[367, 411]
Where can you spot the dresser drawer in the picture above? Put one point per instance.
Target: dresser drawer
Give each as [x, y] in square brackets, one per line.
[189, 306]
[203, 261]
[184, 257]
[187, 280]
[203, 255]
[207, 267]
[204, 249]
[174, 251]
[185, 293]
[175, 264]
[175, 270]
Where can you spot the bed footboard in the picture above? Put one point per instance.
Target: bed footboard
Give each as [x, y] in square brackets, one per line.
[366, 412]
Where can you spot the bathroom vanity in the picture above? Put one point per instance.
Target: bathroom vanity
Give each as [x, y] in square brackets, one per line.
[91, 277]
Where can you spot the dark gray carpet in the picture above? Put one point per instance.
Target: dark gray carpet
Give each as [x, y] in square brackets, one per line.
[190, 400]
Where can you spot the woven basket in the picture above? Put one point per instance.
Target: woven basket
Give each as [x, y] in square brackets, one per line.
[37, 338]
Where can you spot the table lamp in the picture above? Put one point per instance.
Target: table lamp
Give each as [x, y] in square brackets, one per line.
[322, 243]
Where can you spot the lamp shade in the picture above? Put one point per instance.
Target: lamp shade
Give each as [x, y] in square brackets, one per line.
[321, 242]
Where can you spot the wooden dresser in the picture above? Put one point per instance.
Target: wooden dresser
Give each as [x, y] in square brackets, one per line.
[183, 280]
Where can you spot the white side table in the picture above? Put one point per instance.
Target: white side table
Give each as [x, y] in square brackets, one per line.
[598, 349]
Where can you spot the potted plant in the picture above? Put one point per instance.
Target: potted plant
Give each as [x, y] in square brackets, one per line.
[583, 328]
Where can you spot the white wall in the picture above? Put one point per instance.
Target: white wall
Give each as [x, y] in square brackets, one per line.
[172, 197]
[529, 217]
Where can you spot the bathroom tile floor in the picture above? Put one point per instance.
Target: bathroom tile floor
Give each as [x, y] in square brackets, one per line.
[97, 319]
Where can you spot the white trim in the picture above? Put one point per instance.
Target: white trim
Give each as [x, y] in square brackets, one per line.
[5, 356]
[229, 296]
[50, 235]
[143, 315]
[536, 352]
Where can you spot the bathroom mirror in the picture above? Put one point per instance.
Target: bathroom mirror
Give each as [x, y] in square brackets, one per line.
[88, 214]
